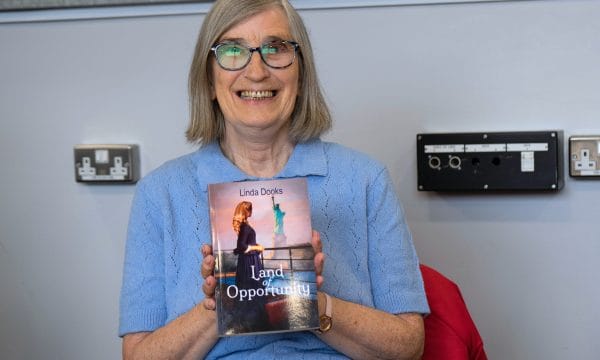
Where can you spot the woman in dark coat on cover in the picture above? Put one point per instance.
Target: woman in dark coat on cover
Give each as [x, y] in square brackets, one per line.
[247, 249]
[251, 313]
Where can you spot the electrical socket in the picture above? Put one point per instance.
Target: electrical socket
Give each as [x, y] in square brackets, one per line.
[106, 163]
[584, 154]
[585, 163]
[118, 169]
[85, 169]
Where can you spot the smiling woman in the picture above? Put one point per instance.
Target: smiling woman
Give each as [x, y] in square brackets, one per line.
[258, 112]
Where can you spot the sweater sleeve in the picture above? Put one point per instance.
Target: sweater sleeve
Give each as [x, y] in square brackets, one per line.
[393, 263]
[142, 303]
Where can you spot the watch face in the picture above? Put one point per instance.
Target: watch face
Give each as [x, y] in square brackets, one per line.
[324, 323]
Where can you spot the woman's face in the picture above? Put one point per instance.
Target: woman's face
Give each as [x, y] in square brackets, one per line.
[257, 97]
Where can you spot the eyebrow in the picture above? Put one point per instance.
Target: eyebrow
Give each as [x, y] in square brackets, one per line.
[244, 42]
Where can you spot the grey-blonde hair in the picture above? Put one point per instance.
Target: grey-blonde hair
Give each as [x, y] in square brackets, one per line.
[310, 117]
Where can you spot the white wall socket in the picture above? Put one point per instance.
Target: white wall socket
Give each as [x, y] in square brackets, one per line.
[86, 168]
[584, 152]
[117, 169]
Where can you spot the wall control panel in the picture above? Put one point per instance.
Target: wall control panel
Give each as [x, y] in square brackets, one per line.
[584, 156]
[530, 160]
[106, 163]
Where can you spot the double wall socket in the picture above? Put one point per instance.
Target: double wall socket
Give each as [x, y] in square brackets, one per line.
[106, 163]
[584, 157]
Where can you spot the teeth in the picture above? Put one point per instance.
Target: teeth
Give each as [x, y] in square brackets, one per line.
[257, 94]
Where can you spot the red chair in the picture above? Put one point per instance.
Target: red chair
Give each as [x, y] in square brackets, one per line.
[450, 333]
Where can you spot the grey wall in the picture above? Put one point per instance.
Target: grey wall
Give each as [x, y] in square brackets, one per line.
[526, 263]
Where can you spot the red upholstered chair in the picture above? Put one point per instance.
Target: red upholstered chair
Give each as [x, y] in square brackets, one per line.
[450, 333]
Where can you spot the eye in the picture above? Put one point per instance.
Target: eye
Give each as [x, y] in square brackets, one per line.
[231, 50]
[275, 47]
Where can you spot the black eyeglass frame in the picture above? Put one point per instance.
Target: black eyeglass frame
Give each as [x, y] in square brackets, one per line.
[251, 50]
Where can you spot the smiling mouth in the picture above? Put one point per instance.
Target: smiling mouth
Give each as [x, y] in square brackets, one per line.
[256, 95]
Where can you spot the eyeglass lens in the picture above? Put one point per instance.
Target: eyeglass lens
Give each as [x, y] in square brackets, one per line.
[276, 54]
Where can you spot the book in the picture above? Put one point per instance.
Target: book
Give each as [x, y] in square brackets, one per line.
[261, 236]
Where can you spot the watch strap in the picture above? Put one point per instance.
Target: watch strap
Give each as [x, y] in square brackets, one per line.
[328, 305]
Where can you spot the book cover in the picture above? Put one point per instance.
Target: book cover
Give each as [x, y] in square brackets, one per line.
[261, 235]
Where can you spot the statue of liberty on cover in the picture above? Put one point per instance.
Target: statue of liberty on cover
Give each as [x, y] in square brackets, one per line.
[279, 237]
[278, 230]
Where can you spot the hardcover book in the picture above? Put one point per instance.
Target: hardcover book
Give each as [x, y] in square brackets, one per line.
[261, 235]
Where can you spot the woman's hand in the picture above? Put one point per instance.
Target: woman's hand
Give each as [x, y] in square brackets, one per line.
[210, 283]
[190, 336]
[319, 257]
[382, 335]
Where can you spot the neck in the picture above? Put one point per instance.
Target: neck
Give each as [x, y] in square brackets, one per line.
[263, 158]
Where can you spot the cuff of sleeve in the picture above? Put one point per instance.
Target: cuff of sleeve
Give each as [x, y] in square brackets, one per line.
[148, 320]
[410, 302]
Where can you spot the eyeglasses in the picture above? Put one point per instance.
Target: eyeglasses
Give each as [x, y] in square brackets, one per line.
[277, 54]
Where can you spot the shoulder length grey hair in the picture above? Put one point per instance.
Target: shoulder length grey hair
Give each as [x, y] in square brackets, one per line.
[310, 117]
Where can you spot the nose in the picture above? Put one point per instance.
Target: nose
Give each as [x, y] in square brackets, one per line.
[256, 69]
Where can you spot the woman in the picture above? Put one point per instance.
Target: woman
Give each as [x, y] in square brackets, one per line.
[250, 313]
[246, 247]
[258, 112]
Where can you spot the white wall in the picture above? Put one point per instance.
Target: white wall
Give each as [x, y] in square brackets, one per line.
[526, 263]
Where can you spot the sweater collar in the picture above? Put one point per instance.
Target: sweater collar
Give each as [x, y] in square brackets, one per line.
[307, 158]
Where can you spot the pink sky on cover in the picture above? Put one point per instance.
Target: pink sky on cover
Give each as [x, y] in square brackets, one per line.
[294, 202]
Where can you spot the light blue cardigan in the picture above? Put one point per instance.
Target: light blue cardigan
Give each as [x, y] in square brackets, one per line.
[370, 257]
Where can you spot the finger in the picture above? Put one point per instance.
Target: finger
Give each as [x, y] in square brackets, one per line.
[206, 250]
[208, 266]
[209, 304]
[208, 287]
[207, 270]
[319, 281]
[319, 263]
[316, 242]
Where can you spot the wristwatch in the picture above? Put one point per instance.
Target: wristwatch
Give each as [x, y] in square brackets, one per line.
[325, 320]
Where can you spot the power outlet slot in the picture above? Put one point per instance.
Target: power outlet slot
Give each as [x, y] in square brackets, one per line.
[584, 154]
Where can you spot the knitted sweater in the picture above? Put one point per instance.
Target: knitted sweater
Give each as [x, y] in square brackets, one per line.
[369, 254]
